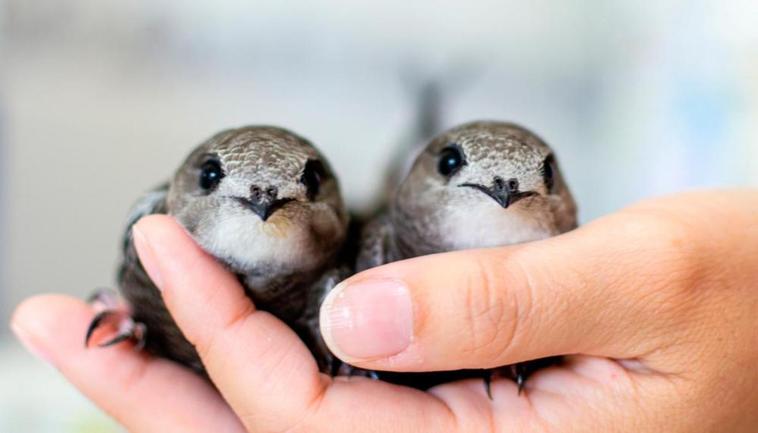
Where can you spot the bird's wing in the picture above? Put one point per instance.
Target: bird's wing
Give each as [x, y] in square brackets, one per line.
[427, 119]
[146, 304]
[152, 202]
[377, 245]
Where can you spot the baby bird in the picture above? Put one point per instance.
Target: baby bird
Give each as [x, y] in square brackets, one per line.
[481, 184]
[266, 204]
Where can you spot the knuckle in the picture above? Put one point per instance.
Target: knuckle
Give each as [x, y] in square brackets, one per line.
[667, 248]
[667, 233]
[670, 243]
[209, 346]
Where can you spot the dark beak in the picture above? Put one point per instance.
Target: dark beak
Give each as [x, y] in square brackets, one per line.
[504, 193]
[264, 208]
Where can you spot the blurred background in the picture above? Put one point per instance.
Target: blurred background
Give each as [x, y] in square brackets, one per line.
[100, 101]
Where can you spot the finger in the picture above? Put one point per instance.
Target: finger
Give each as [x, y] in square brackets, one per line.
[142, 393]
[259, 364]
[601, 290]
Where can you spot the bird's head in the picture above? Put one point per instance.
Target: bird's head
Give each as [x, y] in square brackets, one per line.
[260, 198]
[483, 184]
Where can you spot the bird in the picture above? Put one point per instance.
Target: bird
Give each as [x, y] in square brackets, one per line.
[266, 204]
[477, 185]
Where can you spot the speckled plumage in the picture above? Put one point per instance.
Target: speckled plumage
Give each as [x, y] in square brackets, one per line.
[433, 213]
[286, 262]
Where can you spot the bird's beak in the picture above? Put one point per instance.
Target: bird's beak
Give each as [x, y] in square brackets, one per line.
[502, 196]
[264, 208]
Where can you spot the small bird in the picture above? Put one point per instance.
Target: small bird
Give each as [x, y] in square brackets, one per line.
[266, 204]
[481, 184]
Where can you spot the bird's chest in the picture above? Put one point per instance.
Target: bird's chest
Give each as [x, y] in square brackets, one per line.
[284, 296]
[480, 226]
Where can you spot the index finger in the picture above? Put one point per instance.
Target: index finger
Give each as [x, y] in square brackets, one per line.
[259, 364]
[237, 343]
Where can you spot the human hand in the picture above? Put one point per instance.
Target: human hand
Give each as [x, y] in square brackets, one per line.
[655, 305]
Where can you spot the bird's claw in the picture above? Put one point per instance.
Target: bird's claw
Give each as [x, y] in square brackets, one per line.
[488, 383]
[112, 313]
[519, 374]
[126, 329]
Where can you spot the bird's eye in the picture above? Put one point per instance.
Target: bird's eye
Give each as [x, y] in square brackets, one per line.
[211, 174]
[451, 160]
[313, 174]
[548, 172]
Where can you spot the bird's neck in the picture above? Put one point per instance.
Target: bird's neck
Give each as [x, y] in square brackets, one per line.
[283, 293]
[481, 226]
[410, 237]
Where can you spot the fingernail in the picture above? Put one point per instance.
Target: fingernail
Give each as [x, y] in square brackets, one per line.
[368, 319]
[147, 256]
[29, 343]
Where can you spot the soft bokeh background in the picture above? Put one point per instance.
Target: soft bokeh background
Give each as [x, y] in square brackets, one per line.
[101, 100]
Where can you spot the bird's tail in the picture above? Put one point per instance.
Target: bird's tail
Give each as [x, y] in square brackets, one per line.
[426, 122]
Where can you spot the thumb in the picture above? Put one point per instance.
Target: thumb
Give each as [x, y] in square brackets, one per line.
[604, 290]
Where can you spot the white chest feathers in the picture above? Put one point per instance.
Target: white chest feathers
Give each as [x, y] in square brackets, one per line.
[486, 224]
[248, 243]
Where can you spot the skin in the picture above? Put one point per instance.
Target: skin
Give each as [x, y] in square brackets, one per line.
[656, 303]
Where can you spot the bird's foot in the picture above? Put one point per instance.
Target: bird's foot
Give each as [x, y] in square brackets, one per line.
[111, 313]
[126, 329]
[517, 372]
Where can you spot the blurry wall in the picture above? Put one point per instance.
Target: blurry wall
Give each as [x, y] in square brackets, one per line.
[4, 161]
[4, 227]
[104, 99]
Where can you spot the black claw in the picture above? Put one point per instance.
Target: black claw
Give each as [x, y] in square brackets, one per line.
[488, 383]
[96, 322]
[136, 332]
[520, 382]
[519, 374]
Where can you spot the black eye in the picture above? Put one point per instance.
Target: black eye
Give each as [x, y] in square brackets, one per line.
[313, 174]
[548, 174]
[451, 160]
[210, 174]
